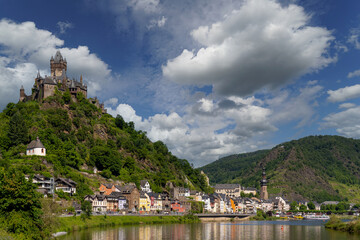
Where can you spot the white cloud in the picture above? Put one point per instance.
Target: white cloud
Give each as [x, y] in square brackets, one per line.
[157, 23]
[343, 94]
[232, 128]
[355, 73]
[209, 127]
[354, 37]
[111, 102]
[261, 45]
[347, 105]
[147, 6]
[293, 106]
[63, 26]
[346, 122]
[25, 49]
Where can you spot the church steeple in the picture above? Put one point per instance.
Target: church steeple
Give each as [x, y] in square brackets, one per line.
[263, 186]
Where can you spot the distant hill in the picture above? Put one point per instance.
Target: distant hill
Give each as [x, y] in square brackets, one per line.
[313, 168]
[79, 137]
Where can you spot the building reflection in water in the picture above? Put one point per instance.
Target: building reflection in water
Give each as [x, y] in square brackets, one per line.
[206, 231]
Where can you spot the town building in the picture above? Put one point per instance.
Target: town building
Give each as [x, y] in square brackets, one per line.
[145, 186]
[116, 201]
[66, 185]
[231, 190]
[45, 185]
[132, 195]
[35, 148]
[98, 202]
[250, 190]
[107, 188]
[144, 202]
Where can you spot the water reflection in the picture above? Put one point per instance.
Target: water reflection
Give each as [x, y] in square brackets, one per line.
[207, 231]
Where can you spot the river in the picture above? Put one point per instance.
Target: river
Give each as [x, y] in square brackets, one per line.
[264, 230]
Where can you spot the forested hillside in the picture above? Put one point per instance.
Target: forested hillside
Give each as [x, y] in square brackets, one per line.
[78, 137]
[315, 168]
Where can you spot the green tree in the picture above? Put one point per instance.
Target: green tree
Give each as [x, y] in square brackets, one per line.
[18, 132]
[119, 122]
[303, 207]
[20, 204]
[311, 205]
[294, 206]
[67, 96]
[86, 208]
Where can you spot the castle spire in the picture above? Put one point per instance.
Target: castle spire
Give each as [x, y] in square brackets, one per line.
[81, 81]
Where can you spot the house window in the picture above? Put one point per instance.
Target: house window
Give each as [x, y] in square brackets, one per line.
[42, 150]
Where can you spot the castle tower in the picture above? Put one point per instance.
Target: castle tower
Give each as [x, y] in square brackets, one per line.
[263, 186]
[57, 65]
[22, 94]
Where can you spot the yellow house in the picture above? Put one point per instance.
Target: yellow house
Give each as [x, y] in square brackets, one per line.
[144, 202]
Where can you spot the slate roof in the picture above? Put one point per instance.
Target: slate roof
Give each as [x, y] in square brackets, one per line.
[143, 182]
[58, 57]
[126, 188]
[227, 186]
[49, 80]
[68, 182]
[35, 144]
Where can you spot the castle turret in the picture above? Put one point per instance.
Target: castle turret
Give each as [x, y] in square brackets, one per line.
[263, 186]
[57, 65]
[22, 94]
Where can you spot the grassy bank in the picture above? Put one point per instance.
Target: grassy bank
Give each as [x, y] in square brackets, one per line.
[336, 224]
[69, 224]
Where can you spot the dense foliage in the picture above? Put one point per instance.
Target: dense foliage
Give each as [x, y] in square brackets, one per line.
[317, 168]
[79, 137]
[20, 206]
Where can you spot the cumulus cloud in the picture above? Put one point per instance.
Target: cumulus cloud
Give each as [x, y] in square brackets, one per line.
[355, 73]
[346, 122]
[63, 26]
[25, 49]
[260, 45]
[209, 127]
[233, 128]
[343, 94]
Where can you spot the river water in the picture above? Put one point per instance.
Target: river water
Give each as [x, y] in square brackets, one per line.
[264, 230]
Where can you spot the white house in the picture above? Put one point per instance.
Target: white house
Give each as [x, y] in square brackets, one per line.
[35, 147]
[145, 186]
[98, 202]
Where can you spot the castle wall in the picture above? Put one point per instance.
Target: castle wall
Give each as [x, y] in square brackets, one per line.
[48, 90]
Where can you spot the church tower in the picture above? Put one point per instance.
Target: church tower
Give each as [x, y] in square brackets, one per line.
[263, 186]
[58, 65]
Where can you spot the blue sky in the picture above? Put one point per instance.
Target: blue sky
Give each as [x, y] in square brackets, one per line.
[209, 78]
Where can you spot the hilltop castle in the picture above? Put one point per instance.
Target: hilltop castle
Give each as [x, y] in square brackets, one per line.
[45, 87]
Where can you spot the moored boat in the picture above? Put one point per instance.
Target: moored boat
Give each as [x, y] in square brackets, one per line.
[317, 217]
